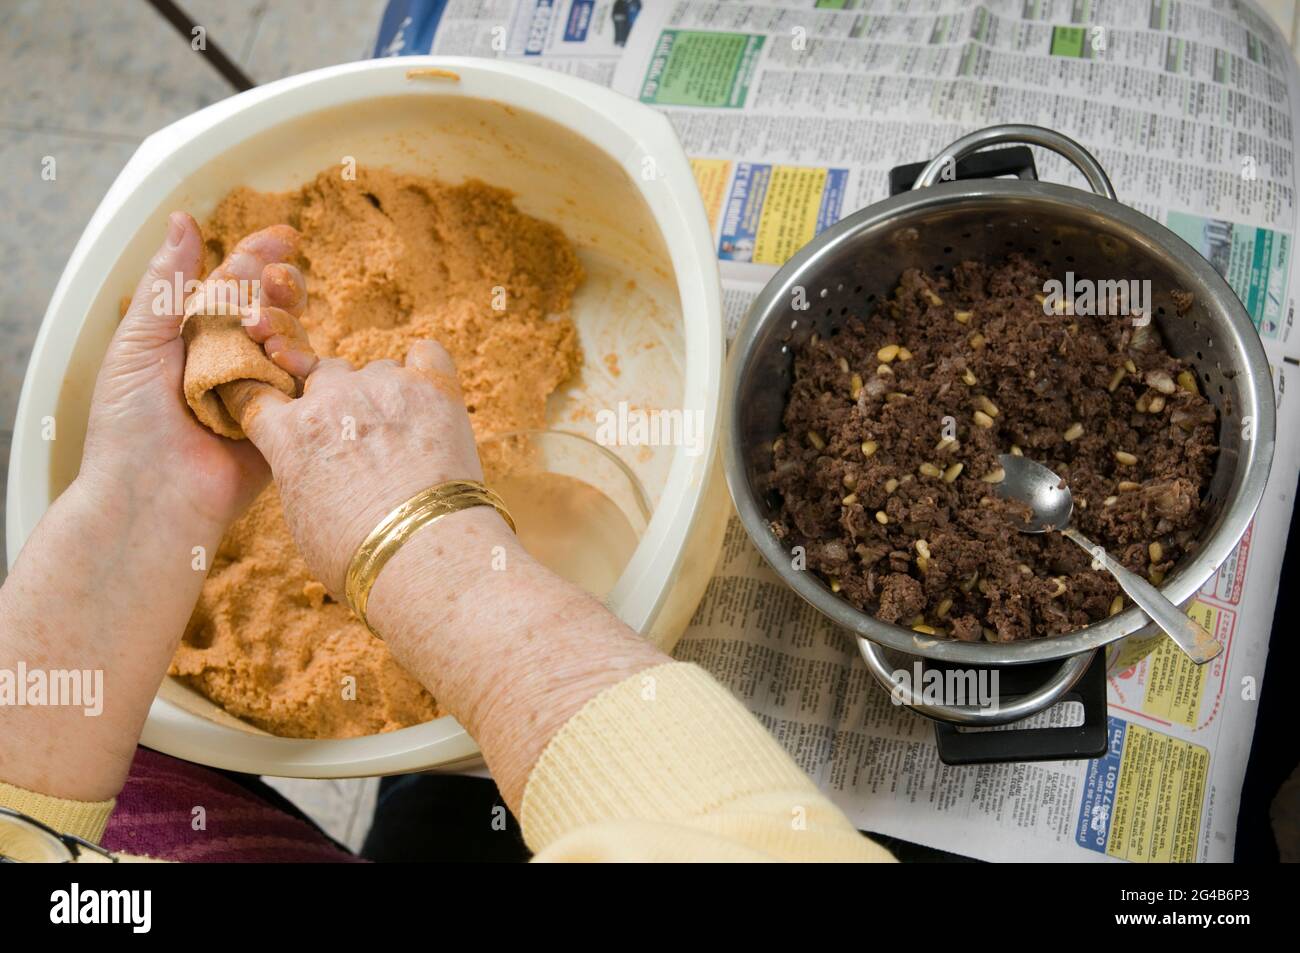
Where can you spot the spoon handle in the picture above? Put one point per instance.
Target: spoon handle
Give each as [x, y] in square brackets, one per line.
[1187, 634]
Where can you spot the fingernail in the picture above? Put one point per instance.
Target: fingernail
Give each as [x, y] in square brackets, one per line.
[175, 229]
[294, 362]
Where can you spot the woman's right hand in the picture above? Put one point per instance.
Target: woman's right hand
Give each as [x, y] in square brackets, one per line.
[507, 647]
[358, 443]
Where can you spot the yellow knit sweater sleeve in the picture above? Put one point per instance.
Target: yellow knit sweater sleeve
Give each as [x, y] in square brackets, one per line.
[84, 819]
[668, 765]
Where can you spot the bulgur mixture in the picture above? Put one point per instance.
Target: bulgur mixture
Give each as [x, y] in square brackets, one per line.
[389, 258]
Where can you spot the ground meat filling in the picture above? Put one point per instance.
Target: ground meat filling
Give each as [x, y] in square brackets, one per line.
[887, 468]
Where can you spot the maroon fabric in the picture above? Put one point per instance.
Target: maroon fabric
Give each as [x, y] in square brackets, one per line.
[155, 817]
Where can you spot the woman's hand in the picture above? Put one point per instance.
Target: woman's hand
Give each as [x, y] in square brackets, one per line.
[107, 580]
[356, 444]
[142, 441]
[505, 645]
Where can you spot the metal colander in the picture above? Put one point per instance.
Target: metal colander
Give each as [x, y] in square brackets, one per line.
[853, 267]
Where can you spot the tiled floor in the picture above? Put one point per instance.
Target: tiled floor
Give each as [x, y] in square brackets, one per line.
[344, 808]
[84, 83]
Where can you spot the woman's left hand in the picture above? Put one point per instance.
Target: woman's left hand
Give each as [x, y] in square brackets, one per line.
[142, 441]
[108, 578]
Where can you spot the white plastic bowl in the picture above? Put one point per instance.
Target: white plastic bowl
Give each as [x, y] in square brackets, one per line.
[605, 169]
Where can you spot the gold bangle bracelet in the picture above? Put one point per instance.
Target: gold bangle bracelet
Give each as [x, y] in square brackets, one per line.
[427, 506]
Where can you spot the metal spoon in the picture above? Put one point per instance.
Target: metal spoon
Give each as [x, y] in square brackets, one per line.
[1052, 504]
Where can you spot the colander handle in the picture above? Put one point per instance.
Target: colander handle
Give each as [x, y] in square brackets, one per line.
[1050, 139]
[973, 716]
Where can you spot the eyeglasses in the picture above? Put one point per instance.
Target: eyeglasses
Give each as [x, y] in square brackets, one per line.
[24, 840]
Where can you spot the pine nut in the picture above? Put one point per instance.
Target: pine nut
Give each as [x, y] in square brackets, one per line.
[1117, 605]
[887, 353]
[1156, 552]
[983, 419]
[1187, 381]
[996, 475]
[969, 378]
[930, 470]
[882, 517]
[778, 444]
[924, 629]
[1130, 366]
[895, 396]
[1060, 588]
[1073, 432]
[922, 564]
[987, 405]
[835, 585]
[963, 317]
[884, 370]
[904, 354]
[850, 499]
[844, 365]
[1161, 382]
[1016, 451]
[1110, 501]
[933, 298]
[977, 340]
[1128, 486]
[855, 385]
[1157, 576]
[1157, 404]
[946, 445]
[951, 474]
[891, 485]
[1144, 403]
[944, 608]
[849, 481]
[816, 440]
[1115, 379]
[968, 583]
[923, 548]
[1125, 458]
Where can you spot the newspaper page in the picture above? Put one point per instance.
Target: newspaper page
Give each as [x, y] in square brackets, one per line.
[793, 112]
[583, 37]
